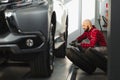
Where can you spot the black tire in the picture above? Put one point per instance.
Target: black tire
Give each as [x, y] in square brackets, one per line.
[42, 64]
[3, 60]
[99, 60]
[80, 60]
[39, 66]
[61, 52]
[3, 57]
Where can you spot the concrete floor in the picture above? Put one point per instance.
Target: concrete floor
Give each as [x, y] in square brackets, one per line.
[64, 70]
[97, 75]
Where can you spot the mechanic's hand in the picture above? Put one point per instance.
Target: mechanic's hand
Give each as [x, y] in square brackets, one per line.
[72, 44]
[75, 44]
[74, 41]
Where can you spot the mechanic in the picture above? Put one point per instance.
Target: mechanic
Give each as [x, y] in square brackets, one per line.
[93, 52]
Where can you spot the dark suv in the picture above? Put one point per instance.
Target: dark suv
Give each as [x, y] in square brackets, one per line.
[33, 31]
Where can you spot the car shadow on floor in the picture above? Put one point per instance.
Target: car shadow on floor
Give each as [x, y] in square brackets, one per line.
[21, 71]
[64, 70]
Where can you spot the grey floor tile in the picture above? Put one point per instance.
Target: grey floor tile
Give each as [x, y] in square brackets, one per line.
[97, 75]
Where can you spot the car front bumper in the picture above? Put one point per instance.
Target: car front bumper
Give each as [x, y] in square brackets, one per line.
[22, 43]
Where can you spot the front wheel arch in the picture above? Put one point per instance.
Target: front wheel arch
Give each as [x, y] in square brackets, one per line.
[61, 52]
[53, 22]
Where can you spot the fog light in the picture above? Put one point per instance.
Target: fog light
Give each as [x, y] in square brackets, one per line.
[29, 42]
